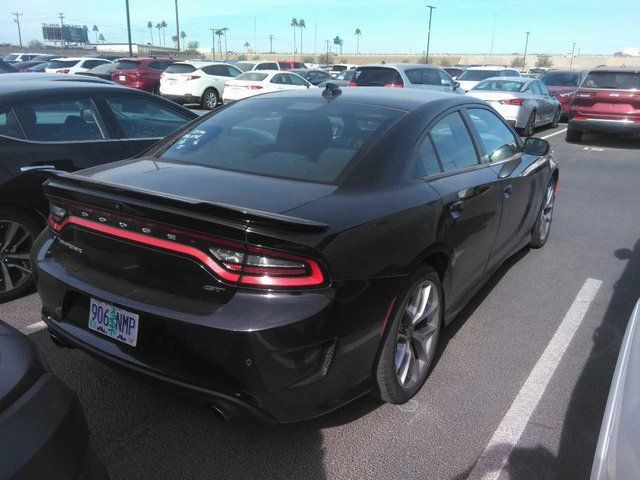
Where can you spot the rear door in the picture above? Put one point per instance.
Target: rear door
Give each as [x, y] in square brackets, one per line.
[471, 195]
[547, 100]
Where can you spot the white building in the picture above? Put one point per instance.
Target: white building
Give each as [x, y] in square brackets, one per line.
[137, 49]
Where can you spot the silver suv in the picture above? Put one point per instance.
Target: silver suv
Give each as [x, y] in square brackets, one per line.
[405, 75]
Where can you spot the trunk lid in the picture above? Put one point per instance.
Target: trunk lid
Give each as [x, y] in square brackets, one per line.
[608, 95]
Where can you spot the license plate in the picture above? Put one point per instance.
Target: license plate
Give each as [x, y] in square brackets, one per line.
[114, 322]
[121, 78]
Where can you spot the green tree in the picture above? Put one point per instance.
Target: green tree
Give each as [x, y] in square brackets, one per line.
[150, 27]
[163, 25]
[175, 40]
[357, 34]
[301, 25]
[159, 27]
[95, 29]
[192, 47]
[224, 32]
[294, 24]
[219, 32]
[544, 61]
[183, 36]
[101, 38]
[246, 46]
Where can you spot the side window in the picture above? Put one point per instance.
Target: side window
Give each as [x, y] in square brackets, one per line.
[63, 120]
[144, 118]
[543, 88]
[498, 140]
[281, 79]
[423, 76]
[296, 80]
[535, 88]
[9, 126]
[445, 79]
[234, 72]
[92, 63]
[159, 65]
[428, 163]
[322, 76]
[271, 66]
[453, 143]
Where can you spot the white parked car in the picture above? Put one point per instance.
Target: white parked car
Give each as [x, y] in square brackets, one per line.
[338, 68]
[247, 66]
[198, 82]
[525, 103]
[473, 75]
[254, 83]
[20, 57]
[73, 65]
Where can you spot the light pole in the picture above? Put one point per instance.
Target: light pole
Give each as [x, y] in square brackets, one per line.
[493, 33]
[573, 49]
[177, 27]
[129, 29]
[431, 8]
[526, 44]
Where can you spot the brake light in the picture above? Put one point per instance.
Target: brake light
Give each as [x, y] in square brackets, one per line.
[352, 84]
[233, 262]
[193, 77]
[512, 101]
[254, 87]
[395, 85]
[63, 70]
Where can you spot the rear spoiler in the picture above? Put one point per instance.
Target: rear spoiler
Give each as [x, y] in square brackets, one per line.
[64, 180]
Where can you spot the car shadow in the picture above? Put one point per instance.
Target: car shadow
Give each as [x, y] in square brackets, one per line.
[611, 141]
[582, 422]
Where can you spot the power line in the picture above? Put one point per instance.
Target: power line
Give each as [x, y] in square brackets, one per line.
[17, 20]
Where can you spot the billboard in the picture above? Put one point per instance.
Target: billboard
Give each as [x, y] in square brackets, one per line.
[68, 33]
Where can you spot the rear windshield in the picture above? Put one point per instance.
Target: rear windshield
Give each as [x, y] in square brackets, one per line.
[560, 79]
[127, 65]
[307, 140]
[180, 68]
[613, 80]
[376, 76]
[339, 68]
[62, 64]
[500, 85]
[477, 75]
[245, 66]
[252, 76]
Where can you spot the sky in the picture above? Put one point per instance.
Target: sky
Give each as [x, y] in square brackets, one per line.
[459, 26]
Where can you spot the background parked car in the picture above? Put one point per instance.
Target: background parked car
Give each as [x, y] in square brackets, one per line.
[141, 73]
[342, 80]
[564, 84]
[525, 103]
[473, 75]
[197, 82]
[20, 57]
[103, 71]
[250, 66]
[43, 431]
[72, 65]
[66, 125]
[607, 101]
[41, 67]
[312, 75]
[454, 72]
[250, 84]
[25, 66]
[536, 72]
[407, 75]
[286, 65]
[338, 68]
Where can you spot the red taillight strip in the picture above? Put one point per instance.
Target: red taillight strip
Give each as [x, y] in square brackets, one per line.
[150, 241]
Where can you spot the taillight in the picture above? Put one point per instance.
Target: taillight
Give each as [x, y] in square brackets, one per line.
[63, 70]
[395, 85]
[254, 87]
[352, 84]
[193, 77]
[512, 101]
[233, 262]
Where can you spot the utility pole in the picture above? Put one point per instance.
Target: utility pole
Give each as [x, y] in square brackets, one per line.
[526, 44]
[129, 29]
[213, 42]
[327, 58]
[177, 27]
[493, 33]
[18, 22]
[315, 41]
[270, 43]
[573, 49]
[61, 15]
[431, 8]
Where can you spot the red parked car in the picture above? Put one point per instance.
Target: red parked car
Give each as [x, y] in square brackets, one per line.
[608, 101]
[140, 73]
[285, 65]
[564, 83]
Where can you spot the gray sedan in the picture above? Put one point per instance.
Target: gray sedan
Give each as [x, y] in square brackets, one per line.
[525, 103]
[405, 75]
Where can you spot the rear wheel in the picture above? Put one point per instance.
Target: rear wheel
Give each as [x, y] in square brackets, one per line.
[209, 99]
[530, 127]
[542, 227]
[17, 233]
[573, 136]
[411, 338]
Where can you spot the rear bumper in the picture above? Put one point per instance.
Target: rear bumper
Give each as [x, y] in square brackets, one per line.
[181, 99]
[282, 357]
[146, 85]
[605, 126]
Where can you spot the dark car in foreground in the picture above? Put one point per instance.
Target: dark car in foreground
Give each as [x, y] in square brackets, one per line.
[564, 84]
[607, 101]
[296, 250]
[66, 123]
[43, 432]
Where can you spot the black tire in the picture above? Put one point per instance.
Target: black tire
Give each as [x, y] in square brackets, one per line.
[540, 235]
[573, 136]
[210, 99]
[156, 89]
[386, 376]
[530, 127]
[556, 118]
[13, 268]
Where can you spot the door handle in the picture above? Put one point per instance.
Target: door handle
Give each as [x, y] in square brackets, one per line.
[507, 191]
[456, 209]
[33, 168]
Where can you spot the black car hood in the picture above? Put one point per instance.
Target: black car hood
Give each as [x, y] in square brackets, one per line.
[207, 184]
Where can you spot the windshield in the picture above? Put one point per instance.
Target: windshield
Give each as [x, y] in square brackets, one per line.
[127, 65]
[477, 75]
[500, 85]
[245, 66]
[308, 140]
[560, 79]
[180, 68]
[347, 75]
[613, 80]
[62, 64]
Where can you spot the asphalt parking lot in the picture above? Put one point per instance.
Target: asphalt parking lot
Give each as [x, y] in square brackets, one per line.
[487, 359]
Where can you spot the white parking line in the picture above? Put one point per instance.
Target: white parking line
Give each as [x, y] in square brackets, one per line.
[33, 328]
[505, 438]
[554, 133]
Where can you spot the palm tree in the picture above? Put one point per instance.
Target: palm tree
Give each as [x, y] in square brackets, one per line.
[302, 25]
[183, 36]
[219, 33]
[101, 38]
[150, 27]
[247, 45]
[159, 27]
[163, 24]
[95, 29]
[224, 31]
[175, 40]
[358, 33]
[294, 24]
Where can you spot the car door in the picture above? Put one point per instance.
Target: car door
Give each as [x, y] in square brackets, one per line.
[520, 181]
[140, 121]
[536, 97]
[549, 101]
[471, 196]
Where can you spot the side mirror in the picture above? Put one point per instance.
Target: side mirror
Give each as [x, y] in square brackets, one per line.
[456, 85]
[553, 94]
[536, 146]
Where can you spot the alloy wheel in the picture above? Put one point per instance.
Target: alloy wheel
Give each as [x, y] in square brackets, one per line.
[417, 335]
[210, 100]
[547, 210]
[15, 264]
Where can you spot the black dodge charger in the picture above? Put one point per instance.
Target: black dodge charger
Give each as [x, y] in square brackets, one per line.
[293, 251]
